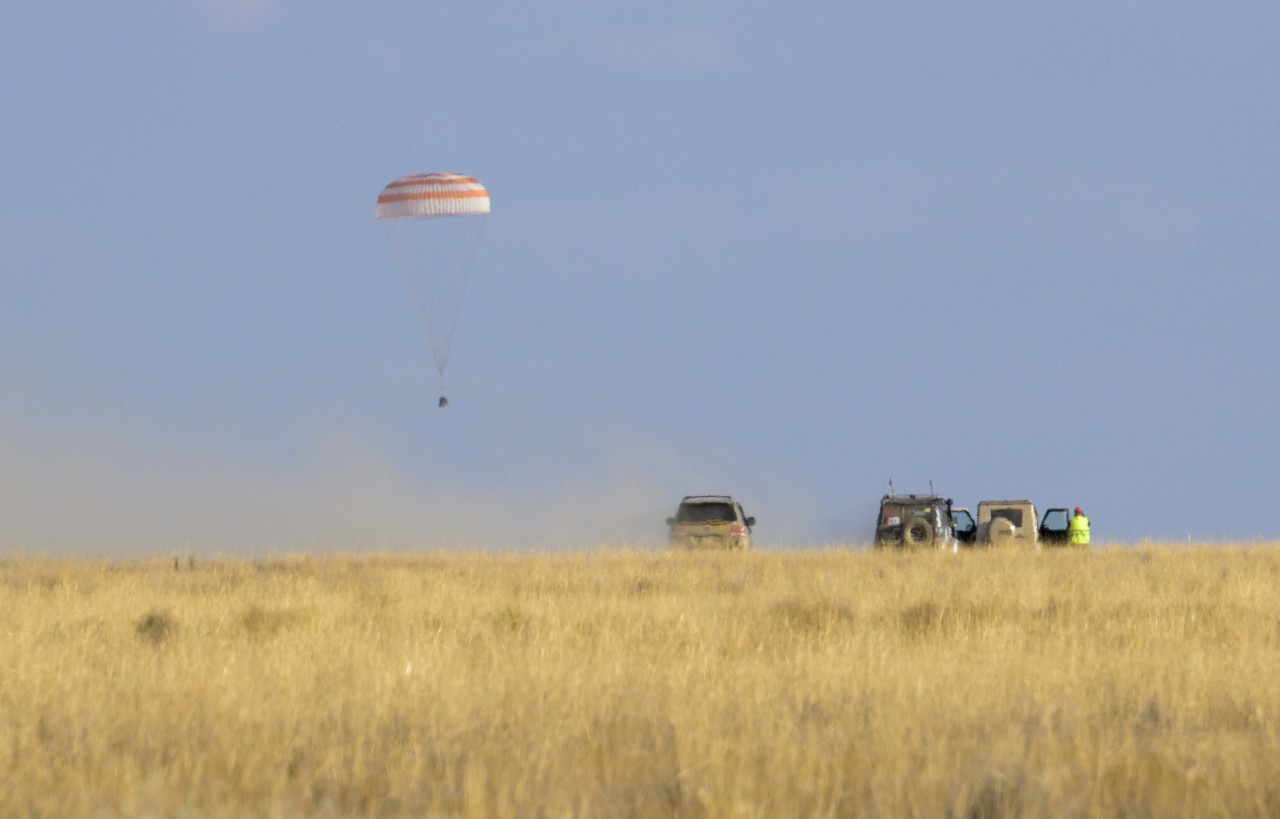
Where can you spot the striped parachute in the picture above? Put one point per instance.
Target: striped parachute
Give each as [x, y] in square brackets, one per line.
[427, 195]
[434, 253]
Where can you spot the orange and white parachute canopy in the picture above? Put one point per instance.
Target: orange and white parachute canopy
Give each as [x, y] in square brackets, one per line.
[427, 195]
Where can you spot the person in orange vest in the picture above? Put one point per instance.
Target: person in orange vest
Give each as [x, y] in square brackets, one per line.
[1078, 529]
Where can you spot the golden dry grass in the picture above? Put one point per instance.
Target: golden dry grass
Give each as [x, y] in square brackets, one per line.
[822, 683]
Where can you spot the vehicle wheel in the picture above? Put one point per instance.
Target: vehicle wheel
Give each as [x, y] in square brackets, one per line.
[917, 532]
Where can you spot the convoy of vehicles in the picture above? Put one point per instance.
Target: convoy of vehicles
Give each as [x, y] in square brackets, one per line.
[907, 521]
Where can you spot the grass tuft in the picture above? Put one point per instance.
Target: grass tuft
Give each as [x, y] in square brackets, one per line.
[155, 627]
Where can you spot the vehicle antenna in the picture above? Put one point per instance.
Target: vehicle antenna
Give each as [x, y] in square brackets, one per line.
[931, 492]
[891, 487]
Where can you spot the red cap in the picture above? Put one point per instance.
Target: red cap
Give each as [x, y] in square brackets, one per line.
[1079, 511]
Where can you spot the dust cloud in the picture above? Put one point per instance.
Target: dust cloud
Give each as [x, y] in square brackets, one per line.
[78, 486]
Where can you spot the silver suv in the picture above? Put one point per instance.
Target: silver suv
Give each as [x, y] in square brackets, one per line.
[710, 522]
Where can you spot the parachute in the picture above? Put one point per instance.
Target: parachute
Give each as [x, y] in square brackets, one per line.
[431, 225]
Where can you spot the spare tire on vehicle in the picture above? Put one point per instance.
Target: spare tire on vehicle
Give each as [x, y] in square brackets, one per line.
[1000, 530]
[917, 532]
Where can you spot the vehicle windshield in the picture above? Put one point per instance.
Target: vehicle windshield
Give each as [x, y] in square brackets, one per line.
[964, 521]
[893, 514]
[706, 513]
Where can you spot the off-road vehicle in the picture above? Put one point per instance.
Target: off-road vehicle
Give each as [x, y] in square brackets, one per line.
[915, 521]
[1007, 523]
[710, 522]
[1010, 522]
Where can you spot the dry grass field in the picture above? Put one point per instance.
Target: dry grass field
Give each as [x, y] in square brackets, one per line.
[1126, 681]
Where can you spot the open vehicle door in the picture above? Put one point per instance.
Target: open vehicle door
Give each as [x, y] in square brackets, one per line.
[966, 527]
[1053, 527]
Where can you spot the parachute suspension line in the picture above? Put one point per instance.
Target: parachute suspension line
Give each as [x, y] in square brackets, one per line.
[425, 297]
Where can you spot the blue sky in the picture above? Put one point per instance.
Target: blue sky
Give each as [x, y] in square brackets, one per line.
[788, 253]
